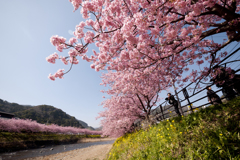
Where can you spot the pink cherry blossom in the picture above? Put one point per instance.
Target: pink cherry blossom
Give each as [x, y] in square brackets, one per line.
[52, 77]
[55, 40]
[72, 40]
[73, 60]
[59, 74]
[64, 60]
[52, 58]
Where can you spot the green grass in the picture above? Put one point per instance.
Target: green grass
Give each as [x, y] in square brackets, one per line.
[211, 133]
[6, 137]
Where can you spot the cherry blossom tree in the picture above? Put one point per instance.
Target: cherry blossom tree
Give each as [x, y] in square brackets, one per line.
[150, 35]
[120, 113]
[131, 98]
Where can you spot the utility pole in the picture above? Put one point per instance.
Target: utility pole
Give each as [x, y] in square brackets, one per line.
[179, 104]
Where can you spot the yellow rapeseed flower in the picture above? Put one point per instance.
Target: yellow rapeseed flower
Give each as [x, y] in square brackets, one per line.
[173, 121]
[180, 132]
[220, 134]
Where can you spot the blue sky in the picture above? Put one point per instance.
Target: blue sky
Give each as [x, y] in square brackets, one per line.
[26, 28]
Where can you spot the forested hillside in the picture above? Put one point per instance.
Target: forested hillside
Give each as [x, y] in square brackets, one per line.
[41, 113]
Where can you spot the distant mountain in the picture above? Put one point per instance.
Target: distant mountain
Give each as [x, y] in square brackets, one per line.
[84, 124]
[98, 129]
[41, 113]
[5, 106]
[27, 105]
[91, 128]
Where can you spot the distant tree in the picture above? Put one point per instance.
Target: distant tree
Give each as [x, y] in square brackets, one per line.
[20, 125]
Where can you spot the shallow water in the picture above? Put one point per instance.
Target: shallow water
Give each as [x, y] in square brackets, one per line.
[54, 149]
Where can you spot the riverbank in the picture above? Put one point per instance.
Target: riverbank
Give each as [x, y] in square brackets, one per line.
[60, 150]
[10, 142]
[97, 152]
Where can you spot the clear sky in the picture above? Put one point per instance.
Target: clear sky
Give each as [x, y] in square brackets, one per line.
[25, 30]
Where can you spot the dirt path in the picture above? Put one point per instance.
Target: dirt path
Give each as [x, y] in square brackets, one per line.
[96, 152]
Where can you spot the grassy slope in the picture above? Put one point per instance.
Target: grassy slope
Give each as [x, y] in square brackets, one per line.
[212, 133]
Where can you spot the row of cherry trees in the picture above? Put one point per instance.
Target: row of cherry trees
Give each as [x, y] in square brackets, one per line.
[21, 125]
[143, 44]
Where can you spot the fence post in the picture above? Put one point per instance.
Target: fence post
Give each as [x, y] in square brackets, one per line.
[185, 93]
[189, 103]
[162, 111]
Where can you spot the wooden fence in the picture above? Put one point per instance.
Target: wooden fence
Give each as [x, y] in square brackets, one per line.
[165, 111]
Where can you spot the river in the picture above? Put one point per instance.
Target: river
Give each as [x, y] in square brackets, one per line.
[54, 149]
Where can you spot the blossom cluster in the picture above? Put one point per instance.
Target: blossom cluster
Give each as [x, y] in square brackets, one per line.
[58, 42]
[52, 58]
[58, 74]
